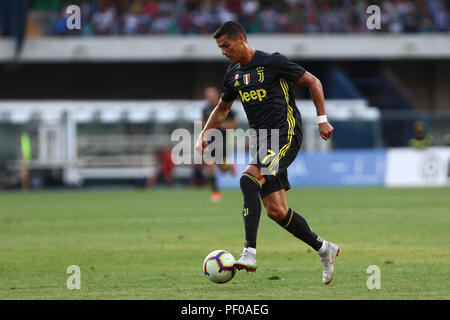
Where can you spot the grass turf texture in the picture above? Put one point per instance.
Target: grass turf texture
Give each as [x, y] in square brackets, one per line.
[151, 244]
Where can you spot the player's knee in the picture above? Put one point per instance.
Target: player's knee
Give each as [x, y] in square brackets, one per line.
[275, 212]
[247, 182]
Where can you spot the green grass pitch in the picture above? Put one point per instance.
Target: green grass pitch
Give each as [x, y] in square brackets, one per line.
[134, 244]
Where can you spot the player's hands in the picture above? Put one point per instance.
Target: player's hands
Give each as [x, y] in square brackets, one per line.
[326, 130]
[201, 144]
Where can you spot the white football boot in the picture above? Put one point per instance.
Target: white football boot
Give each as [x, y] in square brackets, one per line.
[247, 260]
[328, 253]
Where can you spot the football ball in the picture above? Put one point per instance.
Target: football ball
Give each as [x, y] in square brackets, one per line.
[218, 266]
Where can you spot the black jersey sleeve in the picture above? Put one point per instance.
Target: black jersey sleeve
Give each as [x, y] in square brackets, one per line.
[286, 68]
[228, 94]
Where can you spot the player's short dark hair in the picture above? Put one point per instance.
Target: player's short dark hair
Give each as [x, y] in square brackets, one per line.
[232, 29]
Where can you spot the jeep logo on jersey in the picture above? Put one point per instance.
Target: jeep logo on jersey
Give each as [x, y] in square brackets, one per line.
[259, 94]
[246, 78]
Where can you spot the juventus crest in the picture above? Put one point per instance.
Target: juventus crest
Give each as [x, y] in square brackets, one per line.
[260, 71]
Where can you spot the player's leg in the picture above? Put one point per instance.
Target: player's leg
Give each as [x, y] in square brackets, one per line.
[273, 194]
[278, 210]
[151, 181]
[168, 178]
[211, 174]
[212, 179]
[250, 183]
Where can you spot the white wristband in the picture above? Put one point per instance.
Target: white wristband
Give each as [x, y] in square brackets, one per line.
[322, 119]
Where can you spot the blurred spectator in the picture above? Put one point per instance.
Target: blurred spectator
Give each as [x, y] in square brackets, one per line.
[197, 178]
[287, 16]
[249, 7]
[59, 26]
[421, 139]
[164, 168]
[447, 142]
[104, 20]
[212, 96]
[13, 17]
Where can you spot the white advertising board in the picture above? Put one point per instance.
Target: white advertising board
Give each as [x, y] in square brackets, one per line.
[412, 167]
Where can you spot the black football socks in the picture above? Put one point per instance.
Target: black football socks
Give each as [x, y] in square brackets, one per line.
[293, 222]
[213, 182]
[250, 187]
[297, 225]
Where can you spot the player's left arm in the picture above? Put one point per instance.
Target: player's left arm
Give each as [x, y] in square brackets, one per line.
[316, 90]
[231, 122]
[215, 119]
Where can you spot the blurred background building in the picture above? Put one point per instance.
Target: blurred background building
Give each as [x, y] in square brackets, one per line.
[97, 103]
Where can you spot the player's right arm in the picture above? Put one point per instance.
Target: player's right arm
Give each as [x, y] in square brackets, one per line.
[296, 73]
[316, 90]
[216, 118]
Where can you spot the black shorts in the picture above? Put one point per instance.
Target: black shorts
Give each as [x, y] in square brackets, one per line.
[274, 165]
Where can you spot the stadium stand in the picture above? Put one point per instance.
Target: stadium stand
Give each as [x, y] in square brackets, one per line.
[133, 17]
[130, 55]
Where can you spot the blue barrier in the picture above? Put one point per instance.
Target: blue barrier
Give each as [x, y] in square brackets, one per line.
[361, 167]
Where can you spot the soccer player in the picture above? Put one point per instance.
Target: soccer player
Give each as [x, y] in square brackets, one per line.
[263, 81]
[164, 168]
[212, 95]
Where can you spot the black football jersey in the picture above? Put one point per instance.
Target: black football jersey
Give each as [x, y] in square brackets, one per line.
[265, 88]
